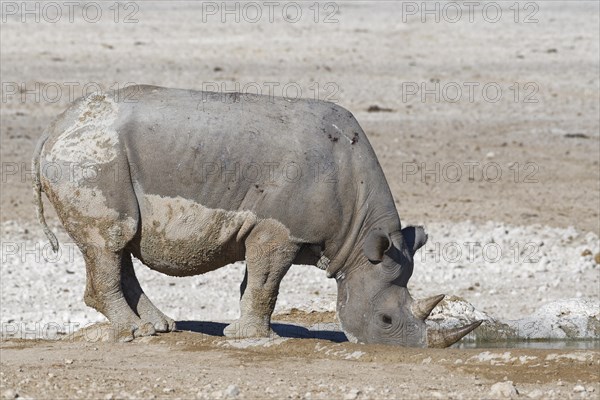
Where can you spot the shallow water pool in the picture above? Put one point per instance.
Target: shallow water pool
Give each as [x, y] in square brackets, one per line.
[532, 344]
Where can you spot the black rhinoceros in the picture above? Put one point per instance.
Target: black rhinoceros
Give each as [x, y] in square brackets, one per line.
[190, 181]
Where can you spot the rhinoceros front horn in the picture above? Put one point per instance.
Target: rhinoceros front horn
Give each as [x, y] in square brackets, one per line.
[445, 338]
[422, 308]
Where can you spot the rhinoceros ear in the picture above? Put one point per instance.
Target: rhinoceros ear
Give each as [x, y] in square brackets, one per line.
[376, 243]
[415, 237]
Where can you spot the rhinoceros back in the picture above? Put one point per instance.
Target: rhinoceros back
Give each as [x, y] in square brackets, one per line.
[293, 161]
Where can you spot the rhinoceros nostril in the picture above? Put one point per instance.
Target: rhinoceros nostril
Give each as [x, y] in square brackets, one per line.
[386, 319]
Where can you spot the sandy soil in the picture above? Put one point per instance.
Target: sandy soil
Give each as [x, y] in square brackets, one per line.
[547, 152]
[370, 56]
[198, 364]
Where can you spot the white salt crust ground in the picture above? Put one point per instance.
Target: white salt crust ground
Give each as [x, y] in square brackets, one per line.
[505, 272]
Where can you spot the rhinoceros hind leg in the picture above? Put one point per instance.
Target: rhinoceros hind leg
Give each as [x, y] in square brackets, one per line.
[103, 292]
[139, 302]
[269, 255]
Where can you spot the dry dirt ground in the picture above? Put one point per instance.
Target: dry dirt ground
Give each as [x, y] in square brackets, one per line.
[198, 363]
[533, 155]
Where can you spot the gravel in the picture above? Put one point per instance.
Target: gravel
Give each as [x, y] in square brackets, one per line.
[503, 390]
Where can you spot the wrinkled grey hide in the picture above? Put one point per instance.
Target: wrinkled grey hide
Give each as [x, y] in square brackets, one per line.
[190, 181]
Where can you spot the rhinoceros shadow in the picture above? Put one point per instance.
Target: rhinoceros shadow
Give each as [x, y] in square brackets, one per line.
[283, 330]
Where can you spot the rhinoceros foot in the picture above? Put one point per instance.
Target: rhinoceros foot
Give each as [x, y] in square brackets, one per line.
[150, 314]
[128, 332]
[161, 323]
[248, 329]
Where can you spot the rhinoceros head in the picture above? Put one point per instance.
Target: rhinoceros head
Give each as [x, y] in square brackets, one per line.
[374, 305]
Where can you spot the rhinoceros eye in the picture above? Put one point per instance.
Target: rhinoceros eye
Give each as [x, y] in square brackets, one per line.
[385, 319]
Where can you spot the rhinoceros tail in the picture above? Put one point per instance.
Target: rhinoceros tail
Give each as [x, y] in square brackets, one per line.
[37, 192]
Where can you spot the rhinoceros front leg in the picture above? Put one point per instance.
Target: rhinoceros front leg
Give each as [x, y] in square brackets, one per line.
[269, 255]
[139, 302]
[103, 292]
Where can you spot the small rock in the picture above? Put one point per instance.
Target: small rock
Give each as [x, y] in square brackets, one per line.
[352, 394]
[503, 390]
[68, 361]
[578, 389]
[597, 258]
[535, 394]
[490, 154]
[591, 389]
[168, 390]
[9, 394]
[232, 391]
[109, 396]
[560, 383]
[376, 108]
[426, 360]
[586, 252]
